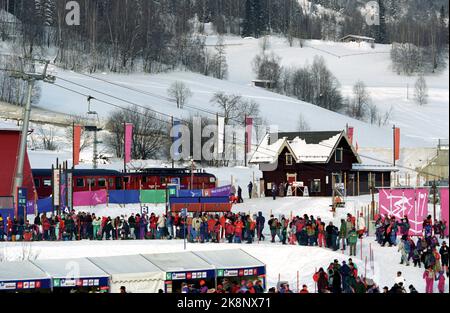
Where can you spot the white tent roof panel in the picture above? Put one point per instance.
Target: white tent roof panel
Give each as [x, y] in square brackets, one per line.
[228, 259]
[179, 262]
[17, 271]
[70, 268]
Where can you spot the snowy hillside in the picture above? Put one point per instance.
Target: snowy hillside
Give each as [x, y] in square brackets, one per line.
[349, 62]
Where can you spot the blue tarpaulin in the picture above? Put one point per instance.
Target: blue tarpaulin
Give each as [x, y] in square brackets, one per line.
[190, 193]
[123, 196]
[214, 200]
[45, 205]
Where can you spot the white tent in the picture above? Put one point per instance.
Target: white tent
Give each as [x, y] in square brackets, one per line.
[22, 276]
[134, 272]
[234, 264]
[69, 272]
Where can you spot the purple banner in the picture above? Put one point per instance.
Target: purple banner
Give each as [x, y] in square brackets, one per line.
[31, 206]
[89, 198]
[224, 191]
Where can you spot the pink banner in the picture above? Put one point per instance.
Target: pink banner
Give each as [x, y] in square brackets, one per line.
[405, 202]
[89, 198]
[249, 132]
[128, 142]
[444, 207]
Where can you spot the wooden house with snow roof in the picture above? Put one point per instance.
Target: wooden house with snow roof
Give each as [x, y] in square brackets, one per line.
[325, 162]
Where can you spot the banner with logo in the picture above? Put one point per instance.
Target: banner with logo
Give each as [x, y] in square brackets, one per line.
[412, 203]
[224, 191]
[444, 207]
[89, 198]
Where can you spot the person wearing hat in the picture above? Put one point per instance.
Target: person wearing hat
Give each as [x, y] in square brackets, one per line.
[203, 287]
[412, 289]
[443, 251]
[304, 289]
[361, 225]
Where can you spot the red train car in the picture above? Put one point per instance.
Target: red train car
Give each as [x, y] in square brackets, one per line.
[155, 178]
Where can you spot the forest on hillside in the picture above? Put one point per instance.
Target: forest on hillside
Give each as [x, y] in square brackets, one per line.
[160, 35]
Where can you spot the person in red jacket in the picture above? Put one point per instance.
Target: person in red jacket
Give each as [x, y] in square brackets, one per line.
[238, 226]
[304, 289]
[229, 231]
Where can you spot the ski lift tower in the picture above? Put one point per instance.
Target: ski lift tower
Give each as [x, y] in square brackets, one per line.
[95, 130]
[31, 71]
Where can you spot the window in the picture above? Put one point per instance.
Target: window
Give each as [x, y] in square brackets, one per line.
[91, 182]
[111, 182]
[289, 159]
[163, 180]
[47, 182]
[339, 155]
[80, 182]
[144, 179]
[101, 182]
[37, 183]
[212, 179]
[315, 185]
[126, 180]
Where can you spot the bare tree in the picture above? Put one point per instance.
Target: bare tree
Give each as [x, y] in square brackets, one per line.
[150, 133]
[359, 105]
[267, 67]
[229, 105]
[180, 92]
[219, 66]
[303, 124]
[421, 91]
[47, 136]
[234, 107]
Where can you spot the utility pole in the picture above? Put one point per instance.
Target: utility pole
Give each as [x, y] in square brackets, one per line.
[192, 173]
[30, 78]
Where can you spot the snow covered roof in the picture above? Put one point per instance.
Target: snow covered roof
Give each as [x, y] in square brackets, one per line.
[229, 259]
[23, 270]
[357, 37]
[57, 268]
[306, 147]
[178, 262]
[128, 268]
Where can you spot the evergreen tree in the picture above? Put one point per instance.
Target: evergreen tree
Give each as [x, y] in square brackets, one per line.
[381, 29]
[248, 27]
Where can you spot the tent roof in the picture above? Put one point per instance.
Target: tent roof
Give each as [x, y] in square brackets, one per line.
[63, 268]
[17, 271]
[128, 268]
[179, 262]
[227, 259]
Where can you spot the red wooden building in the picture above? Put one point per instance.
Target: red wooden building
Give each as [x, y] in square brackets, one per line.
[9, 149]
